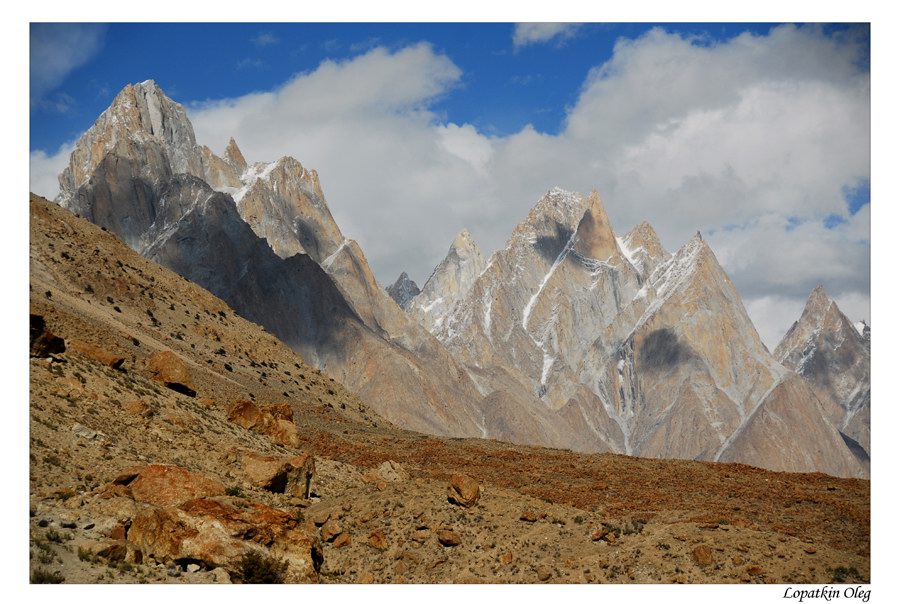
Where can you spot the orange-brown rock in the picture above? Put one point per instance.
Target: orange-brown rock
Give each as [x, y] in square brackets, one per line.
[275, 421]
[168, 368]
[377, 540]
[43, 341]
[219, 534]
[343, 540]
[448, 538]
[138, 407]
[463, 490]
[703, 555]
[529, 516]
[279, 474]
[171, 485]
[97, 354]
[330, 530]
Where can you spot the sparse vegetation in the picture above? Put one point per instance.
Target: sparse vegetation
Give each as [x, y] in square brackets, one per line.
[42, 575]
[257, 567]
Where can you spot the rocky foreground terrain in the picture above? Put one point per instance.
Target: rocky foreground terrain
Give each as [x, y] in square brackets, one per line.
[173, 441]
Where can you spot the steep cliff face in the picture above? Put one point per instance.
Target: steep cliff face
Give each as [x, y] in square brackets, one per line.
[833, 356]
[139, 172]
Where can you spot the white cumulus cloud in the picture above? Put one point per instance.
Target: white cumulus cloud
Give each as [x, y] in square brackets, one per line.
[539, 33]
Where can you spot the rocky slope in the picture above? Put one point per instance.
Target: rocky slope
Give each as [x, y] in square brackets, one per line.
[139, 173]
[612, 344]
[174, 441]
[833, 356]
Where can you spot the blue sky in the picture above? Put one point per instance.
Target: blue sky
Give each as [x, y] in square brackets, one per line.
[758, 135]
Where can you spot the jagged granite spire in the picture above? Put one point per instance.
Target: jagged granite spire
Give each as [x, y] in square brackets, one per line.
[830, 353]
[403, 290]
[449, 282]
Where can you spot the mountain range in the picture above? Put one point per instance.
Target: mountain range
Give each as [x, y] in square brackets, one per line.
[569, 337]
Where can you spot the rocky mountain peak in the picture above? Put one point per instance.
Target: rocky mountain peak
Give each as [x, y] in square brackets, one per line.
[143, 126]
[450, 281]
[403, 290]
[594, 236]
[831, 354]
[463, 240]
[234, 156]
[643, 249]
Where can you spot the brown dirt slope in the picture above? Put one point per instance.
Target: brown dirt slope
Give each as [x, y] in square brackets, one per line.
[378, 510]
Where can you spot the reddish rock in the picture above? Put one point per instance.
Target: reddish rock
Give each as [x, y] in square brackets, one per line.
[119, 532]
[114, 551]
[529, 516]
[320, 516]
[219, 534]
[168, 368]
[755, 571]
[506, 559]
[463, 490]
[97, 354]
[703, 555]
[280, 474]
[43, 341]
[275, 421]
[378, 540]
[245, 414]
[171, 485]
[330, 530]
[342, 540]
[282, 411]
[599, 534]
[448, 538]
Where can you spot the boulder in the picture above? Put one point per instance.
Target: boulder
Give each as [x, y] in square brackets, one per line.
[703, 555]
[378, 540]
[463, 490]
[280, 474]
[169, 485]
[43, 341]
[342, 540]
[391, 471]
[448, 538]
[529, 516]
[330, 530]
[274, 421]
[216, 534]
[96, 353]
[168, 368]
